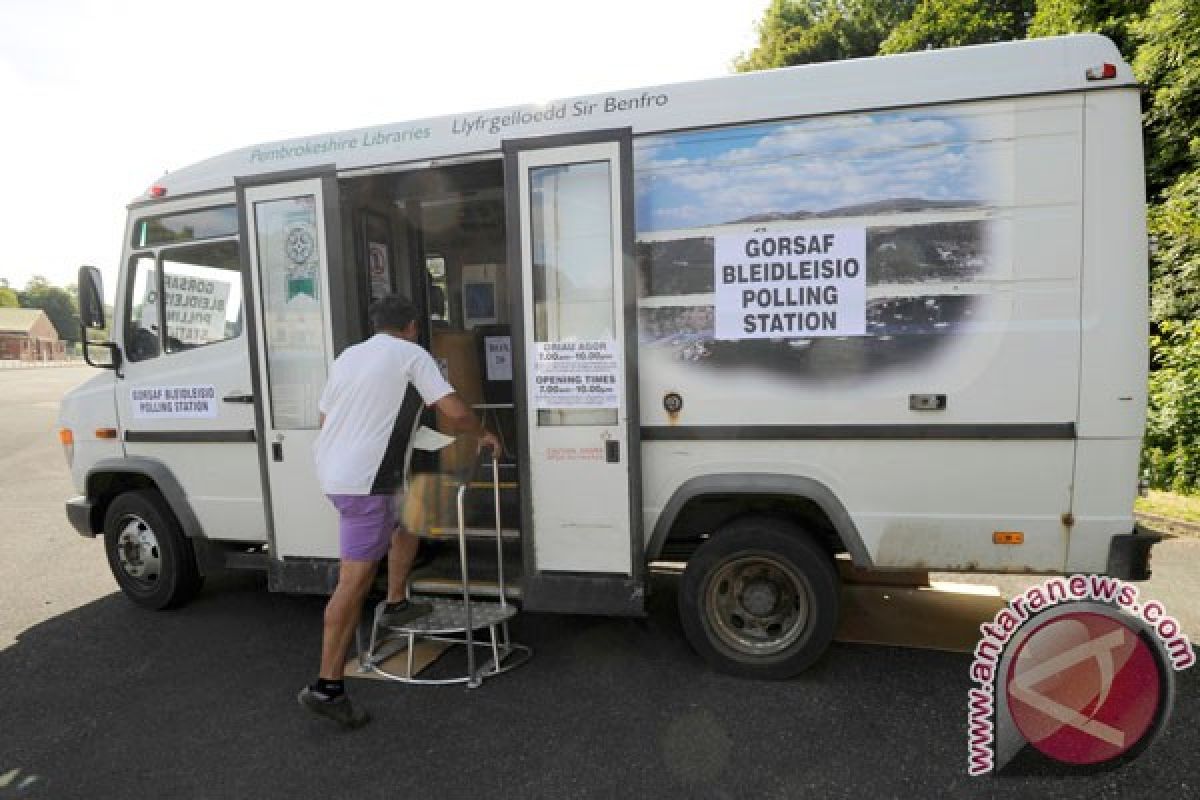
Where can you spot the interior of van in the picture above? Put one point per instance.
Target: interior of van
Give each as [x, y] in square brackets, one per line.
[437, 236]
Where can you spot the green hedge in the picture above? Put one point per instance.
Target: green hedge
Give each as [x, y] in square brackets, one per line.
[1171, 455]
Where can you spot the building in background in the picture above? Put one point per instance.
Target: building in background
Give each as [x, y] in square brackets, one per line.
[28, 334]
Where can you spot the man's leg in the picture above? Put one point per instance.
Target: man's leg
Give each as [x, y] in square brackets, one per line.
[397, 610]
[364, 523]
[400, 559]
[342, 614]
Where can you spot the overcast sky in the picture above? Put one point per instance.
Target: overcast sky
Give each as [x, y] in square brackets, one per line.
[100, 98]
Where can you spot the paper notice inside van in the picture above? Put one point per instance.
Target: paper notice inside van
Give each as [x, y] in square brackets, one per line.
[798, 283]
[196, 307]
[499, 357]
[581, 374]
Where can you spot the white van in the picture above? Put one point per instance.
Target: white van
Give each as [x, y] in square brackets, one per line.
[888, 313]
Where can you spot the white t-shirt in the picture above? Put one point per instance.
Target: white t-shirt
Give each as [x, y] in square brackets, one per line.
[360, 402]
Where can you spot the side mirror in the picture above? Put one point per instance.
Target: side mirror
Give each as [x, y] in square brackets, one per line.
[104, 355]
[91, 299]
[91, 318]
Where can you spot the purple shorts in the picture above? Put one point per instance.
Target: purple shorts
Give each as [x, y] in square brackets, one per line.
[365, 525]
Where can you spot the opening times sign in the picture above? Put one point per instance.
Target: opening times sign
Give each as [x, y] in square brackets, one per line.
[801, 283]
[581, 374]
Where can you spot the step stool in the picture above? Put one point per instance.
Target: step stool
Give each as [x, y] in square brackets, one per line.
[454, 621]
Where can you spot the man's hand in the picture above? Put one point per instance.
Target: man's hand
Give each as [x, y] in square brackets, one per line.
[465, 421]
[489, 439]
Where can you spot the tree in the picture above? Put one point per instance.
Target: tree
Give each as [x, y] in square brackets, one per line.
[1113, 18]
[1175, 266]
[808, 31]
[951, 23]
[1172, 452]
[8, 298]
[1168, 64]
[59, 304]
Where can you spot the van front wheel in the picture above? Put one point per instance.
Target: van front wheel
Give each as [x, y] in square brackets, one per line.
[152, 560]
[759, 599]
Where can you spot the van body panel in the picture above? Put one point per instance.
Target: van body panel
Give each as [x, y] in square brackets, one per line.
[917, 505]
[85, 409]
[1115, 296]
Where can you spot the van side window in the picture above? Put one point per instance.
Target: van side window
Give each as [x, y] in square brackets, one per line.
[141, 327]
[202, 290]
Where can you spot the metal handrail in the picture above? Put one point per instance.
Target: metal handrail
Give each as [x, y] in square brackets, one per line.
[463, 487]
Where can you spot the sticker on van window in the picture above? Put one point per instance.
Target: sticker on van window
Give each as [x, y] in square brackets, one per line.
[794, 284]
[576, 374]
[197, 307]
[174, 402]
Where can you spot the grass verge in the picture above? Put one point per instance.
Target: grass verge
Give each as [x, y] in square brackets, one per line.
[1168, 504]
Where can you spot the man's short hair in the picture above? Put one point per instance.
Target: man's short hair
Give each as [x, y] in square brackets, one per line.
[393, 312]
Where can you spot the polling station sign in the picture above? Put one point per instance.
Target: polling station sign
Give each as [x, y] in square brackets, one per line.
[583, 374]
[196, 307]
[805, 282]
[174, 402]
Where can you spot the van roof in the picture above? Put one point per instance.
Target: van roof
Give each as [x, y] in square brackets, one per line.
[1034, 66]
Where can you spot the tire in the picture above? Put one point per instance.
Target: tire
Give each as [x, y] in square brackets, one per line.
[152, 560]
[760, 599]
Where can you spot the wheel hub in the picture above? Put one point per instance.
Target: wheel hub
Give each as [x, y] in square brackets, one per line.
[757, 605]
[138, 551]
[760, 598]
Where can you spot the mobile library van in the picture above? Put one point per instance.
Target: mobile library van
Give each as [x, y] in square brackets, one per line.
[887, 313]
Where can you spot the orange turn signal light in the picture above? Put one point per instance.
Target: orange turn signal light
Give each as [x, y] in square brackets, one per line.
[1008, 537]
[106, 433]
[66, 436]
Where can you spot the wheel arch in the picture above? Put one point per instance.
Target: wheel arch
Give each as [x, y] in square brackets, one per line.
[796, 496]
[110, 477]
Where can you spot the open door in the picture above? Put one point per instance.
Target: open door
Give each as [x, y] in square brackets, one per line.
[291, 231]
[570, 231]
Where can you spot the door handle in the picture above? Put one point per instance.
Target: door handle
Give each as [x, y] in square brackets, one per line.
[238, 398]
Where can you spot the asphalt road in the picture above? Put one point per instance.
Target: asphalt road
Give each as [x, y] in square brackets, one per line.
[100, 699]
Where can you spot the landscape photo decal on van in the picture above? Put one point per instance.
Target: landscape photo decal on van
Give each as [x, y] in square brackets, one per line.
[919, 190]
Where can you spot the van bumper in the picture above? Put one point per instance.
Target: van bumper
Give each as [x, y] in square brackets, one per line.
[1129, 554]
[79, 514]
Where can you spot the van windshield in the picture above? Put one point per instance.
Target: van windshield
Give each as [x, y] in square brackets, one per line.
[207, 223]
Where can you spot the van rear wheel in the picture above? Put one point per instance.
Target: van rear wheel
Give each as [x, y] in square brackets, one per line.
[759, 599]
[152, 560]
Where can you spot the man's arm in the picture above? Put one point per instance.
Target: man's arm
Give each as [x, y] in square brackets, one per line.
[463, 420]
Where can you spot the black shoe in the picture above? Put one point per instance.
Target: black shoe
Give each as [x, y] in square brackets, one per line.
[401, 614]
[340, 710]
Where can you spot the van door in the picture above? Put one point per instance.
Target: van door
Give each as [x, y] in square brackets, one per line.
[186, 373]
[571, 249]
[291, 230]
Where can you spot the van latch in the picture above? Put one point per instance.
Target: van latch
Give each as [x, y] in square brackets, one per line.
[927, 402]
